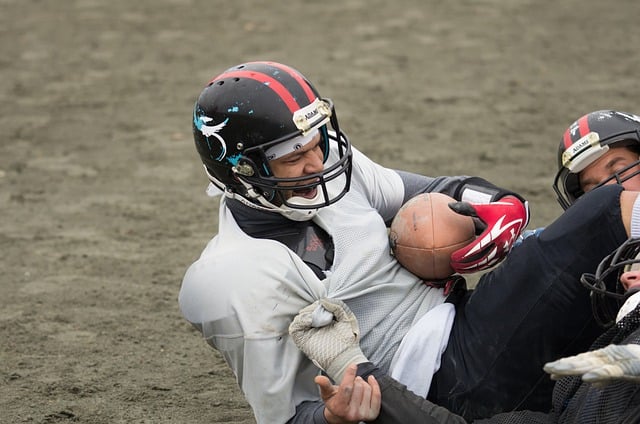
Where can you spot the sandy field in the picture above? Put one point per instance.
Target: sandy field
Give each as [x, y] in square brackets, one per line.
[102, 203]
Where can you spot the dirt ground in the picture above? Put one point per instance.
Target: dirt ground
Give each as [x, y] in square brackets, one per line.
[102, 203]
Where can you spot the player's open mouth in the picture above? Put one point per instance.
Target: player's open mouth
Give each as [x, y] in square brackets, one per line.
[307, 193]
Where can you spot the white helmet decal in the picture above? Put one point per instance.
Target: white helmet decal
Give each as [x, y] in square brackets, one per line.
[201, 121]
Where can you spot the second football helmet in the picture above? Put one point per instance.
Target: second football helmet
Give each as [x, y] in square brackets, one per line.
[586, 140]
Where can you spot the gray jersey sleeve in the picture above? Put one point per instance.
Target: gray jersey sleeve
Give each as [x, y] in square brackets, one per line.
[471, 189]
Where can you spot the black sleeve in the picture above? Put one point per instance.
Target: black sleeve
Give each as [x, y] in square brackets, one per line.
[472, 189]
[401, 406]
[309, 413]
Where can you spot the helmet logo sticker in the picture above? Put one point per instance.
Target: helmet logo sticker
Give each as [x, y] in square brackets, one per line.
[312, 116]
[201, 122]
[583, 152]
[584, 143]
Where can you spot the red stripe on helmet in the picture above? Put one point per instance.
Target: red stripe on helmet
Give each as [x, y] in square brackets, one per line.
[583, 125]
[583, 129]
[567, 138]
[296, 75]
[273, 84]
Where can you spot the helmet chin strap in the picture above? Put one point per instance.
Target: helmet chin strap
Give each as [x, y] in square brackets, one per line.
[300, 214]
[215, 189]
[290, 213]
[265, 205]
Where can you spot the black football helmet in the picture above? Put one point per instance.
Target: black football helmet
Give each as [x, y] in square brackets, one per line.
[607, 293]
[254, 109]
[586, 140]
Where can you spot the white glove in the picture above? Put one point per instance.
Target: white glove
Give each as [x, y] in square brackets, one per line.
[332, 344]
[600, 367]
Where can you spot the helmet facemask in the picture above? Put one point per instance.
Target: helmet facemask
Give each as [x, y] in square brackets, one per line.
[332, 183]
[607, 292]
[267, 191]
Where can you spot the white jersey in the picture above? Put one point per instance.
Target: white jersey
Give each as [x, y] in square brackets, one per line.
[244, 292]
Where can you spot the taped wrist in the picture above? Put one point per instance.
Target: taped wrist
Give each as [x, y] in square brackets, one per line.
[479, 190]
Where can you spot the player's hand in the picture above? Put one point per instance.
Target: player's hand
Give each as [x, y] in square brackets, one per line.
[328, 333]
[501, 223]
[600, 367]
[353, 401]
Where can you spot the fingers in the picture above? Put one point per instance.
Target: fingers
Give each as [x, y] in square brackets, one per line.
[334, 306]
[319, 314]
[303, 320]
[342, 313]
[600, 367]
[339, 396]
[605, 372]
[574, 365]
[504, 220]
[337, 307]
[362, 403]
[308, 310]
[463, 208]
[584, 362]
[467, 209]
[376, 395]
[321, 317]
[353, 400]
[327, 390]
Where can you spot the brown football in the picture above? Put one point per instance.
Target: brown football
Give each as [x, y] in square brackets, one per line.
[425, 232]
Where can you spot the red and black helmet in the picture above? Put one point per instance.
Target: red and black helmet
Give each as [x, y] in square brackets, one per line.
[255, 112]
[585, 141]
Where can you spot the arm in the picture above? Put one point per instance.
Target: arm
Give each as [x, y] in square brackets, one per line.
[462, 188]
[387, 189]
[237, 317]
[400, 405]
[361, 396]
[309, 413]
[333, 345]
[353, 401]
